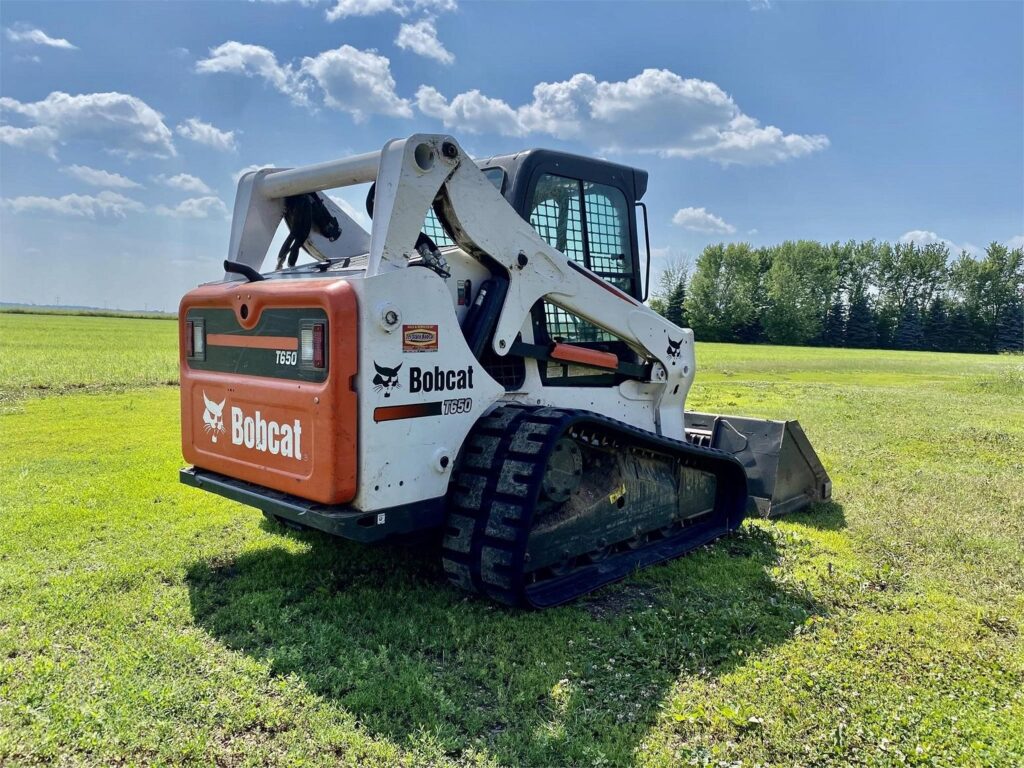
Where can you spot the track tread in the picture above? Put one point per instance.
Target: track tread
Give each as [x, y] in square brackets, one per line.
[496, 485]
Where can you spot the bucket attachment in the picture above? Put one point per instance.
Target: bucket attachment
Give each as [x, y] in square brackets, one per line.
[784, 473]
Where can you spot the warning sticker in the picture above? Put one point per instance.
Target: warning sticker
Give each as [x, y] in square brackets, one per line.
[419, 338]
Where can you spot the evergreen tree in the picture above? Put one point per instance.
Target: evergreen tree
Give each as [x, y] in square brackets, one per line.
[936, 327]
[675, 304]
[962, 336]
[908, 332]
[885, 331]
[1010, 328]
[834, 328]
[750, 332]
[860, 323]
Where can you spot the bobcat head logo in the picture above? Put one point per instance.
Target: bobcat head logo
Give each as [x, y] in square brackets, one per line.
[213, 417]
[386, 378]
[673, 348]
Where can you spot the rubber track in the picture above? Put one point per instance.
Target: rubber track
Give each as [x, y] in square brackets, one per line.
[496, 486]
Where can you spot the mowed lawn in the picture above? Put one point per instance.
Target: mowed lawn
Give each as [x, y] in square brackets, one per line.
[142, 622]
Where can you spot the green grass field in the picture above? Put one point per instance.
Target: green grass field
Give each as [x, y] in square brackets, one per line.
[142, 622]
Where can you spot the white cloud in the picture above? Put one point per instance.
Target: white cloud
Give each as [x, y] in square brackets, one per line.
[196, 130]
[655, 112]
[470, 111]
[1016, 241]
[345, 8]
[351, 80]
[185, 182]
[122, 123]
[421, 38]
[194, 208]
[38, 138]
[255, 61]
[357, 82]
[21, 33]
[924, 237]
[701, 220]
[105, 203]
[97, 178]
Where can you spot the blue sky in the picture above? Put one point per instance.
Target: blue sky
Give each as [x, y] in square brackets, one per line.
[124, 125]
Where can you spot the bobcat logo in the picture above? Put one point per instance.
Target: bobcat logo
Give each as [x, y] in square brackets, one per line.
[386, 378]
[213, 417]
[673, 348]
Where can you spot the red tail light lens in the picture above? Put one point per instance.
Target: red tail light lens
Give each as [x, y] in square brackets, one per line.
[313, 345]
[318, 345]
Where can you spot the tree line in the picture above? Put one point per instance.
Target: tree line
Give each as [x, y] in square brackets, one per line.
[865, 294]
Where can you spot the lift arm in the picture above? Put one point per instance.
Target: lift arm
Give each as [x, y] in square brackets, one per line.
[411, 174]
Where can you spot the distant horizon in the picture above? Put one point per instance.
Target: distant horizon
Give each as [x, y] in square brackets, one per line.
[86, 307]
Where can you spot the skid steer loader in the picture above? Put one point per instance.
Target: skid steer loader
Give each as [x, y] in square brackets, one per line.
[481, 362]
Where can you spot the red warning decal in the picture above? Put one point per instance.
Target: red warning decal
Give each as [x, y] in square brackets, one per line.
[419, 338]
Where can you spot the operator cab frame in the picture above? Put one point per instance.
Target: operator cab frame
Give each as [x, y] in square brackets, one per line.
[598, 231]
[587, 209]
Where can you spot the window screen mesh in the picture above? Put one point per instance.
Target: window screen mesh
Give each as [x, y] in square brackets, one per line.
[432, 227]
[555, 215]
[606, 231]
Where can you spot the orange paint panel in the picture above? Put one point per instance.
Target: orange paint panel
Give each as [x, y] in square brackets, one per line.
[595, 358]
[298, 437]
[252, 342]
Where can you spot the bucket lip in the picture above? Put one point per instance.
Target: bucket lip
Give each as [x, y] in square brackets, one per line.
[762, 466]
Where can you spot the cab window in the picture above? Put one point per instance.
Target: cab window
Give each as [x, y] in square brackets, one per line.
[589, 223]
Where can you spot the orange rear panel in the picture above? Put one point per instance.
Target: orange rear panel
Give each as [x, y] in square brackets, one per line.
[248, 415]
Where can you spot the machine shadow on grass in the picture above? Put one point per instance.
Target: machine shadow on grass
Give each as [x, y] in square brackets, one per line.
[825, 516]
[378, 631]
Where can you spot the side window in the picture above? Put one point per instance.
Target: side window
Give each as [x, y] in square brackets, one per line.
[608, 235]
[597, 238]
[555, 214]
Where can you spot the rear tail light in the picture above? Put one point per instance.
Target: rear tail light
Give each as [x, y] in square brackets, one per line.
[313, 345]
[195, 339]
[318, 345]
